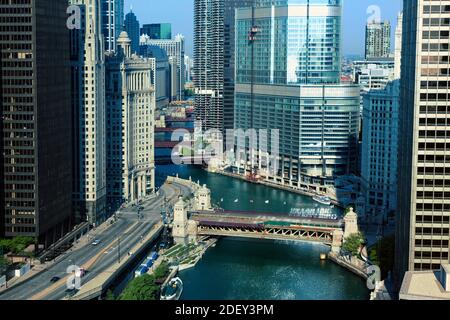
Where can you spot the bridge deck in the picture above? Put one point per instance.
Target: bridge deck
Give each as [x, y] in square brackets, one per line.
[255, 218]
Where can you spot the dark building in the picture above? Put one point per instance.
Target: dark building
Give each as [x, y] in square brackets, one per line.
[214, 61]
[36, 120]
[132, 27]
[158, 31]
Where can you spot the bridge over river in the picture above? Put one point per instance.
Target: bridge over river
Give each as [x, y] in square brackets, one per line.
[195, 217]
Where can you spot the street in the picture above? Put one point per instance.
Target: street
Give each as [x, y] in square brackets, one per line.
[129, 228]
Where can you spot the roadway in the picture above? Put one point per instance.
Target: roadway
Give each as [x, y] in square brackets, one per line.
[129, 227]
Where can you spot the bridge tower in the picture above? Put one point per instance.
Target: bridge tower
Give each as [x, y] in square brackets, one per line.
[350, 223]
[203, 199]
[180, 223]
[338, 237]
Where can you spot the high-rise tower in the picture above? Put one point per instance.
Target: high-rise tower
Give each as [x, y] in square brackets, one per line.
[88, 75]
[112, 22]
[36, 121]
[423, 220]
[378, 40]
[214, 34]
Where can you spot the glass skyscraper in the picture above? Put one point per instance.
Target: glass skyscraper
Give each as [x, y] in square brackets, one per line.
[112, 22]
[288, 78]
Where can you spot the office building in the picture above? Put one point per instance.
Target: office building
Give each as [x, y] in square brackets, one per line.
[398, 46]
[378, 40]
[132, 27]
[36, 121]
[297, 92]
[88, 83]
[157, 31]
[373, 73]
[162, 74]
[112, 22]
[379, 154]
[175, 51]
[130, 95]
[423, 220]
[214, 61]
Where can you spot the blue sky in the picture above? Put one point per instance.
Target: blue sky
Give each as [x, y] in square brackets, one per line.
[180, 14]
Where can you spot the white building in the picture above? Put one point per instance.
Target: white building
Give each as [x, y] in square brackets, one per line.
[380, 152]
[89, 75]
[175, 51]
[131, 109]
[373, 73]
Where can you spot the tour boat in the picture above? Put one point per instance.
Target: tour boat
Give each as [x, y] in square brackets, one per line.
[322, 199]
[172, 290]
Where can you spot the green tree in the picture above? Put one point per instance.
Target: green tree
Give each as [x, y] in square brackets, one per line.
[19, 244]
[382, 254]
[161, 271]
[141, 288]
[353, 243]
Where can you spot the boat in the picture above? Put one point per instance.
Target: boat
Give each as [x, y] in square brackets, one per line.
[236, 201]
[172, 290]
[267, 201]
[322, 199]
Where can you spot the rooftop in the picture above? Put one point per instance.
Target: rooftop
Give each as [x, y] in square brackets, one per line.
[425, 285]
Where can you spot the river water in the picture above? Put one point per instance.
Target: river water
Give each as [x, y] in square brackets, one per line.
[261, 269]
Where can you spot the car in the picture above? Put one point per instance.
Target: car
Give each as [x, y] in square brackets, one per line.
[55, 279]
[96, 242]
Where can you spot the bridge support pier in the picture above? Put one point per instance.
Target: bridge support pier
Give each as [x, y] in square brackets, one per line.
[338, 237]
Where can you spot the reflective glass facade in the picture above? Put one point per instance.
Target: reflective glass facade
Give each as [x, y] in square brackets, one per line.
[298, 42]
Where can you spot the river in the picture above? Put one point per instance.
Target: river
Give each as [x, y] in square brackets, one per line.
[261, 269]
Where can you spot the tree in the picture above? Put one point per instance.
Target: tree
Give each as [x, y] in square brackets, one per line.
[382, 254]
[141, 288]
[161, 271]
[353, 243]
[19, 244]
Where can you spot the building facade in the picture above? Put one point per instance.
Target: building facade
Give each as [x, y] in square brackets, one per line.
[289, 81]
[89, 107]
[378, 40]
[157, 31]
[162, 74]
[175, 51]
[379, 154]
[214, 61]
[112, 22]
[423, 221]
[36, 121]
[132, 27]
[373, 74]
[130, 92]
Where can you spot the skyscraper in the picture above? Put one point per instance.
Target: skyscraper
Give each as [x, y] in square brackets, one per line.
[214, 34]
[132, 27]
[287, 78]
[423, 221]
[398, 46]
[175, 51]
[379, 154]
[112, 22]
[157, 31]
[378, 39]
[88, 76]
[130, 92]
[36, 120]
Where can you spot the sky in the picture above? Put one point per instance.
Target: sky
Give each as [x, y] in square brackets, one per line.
[180, 14]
